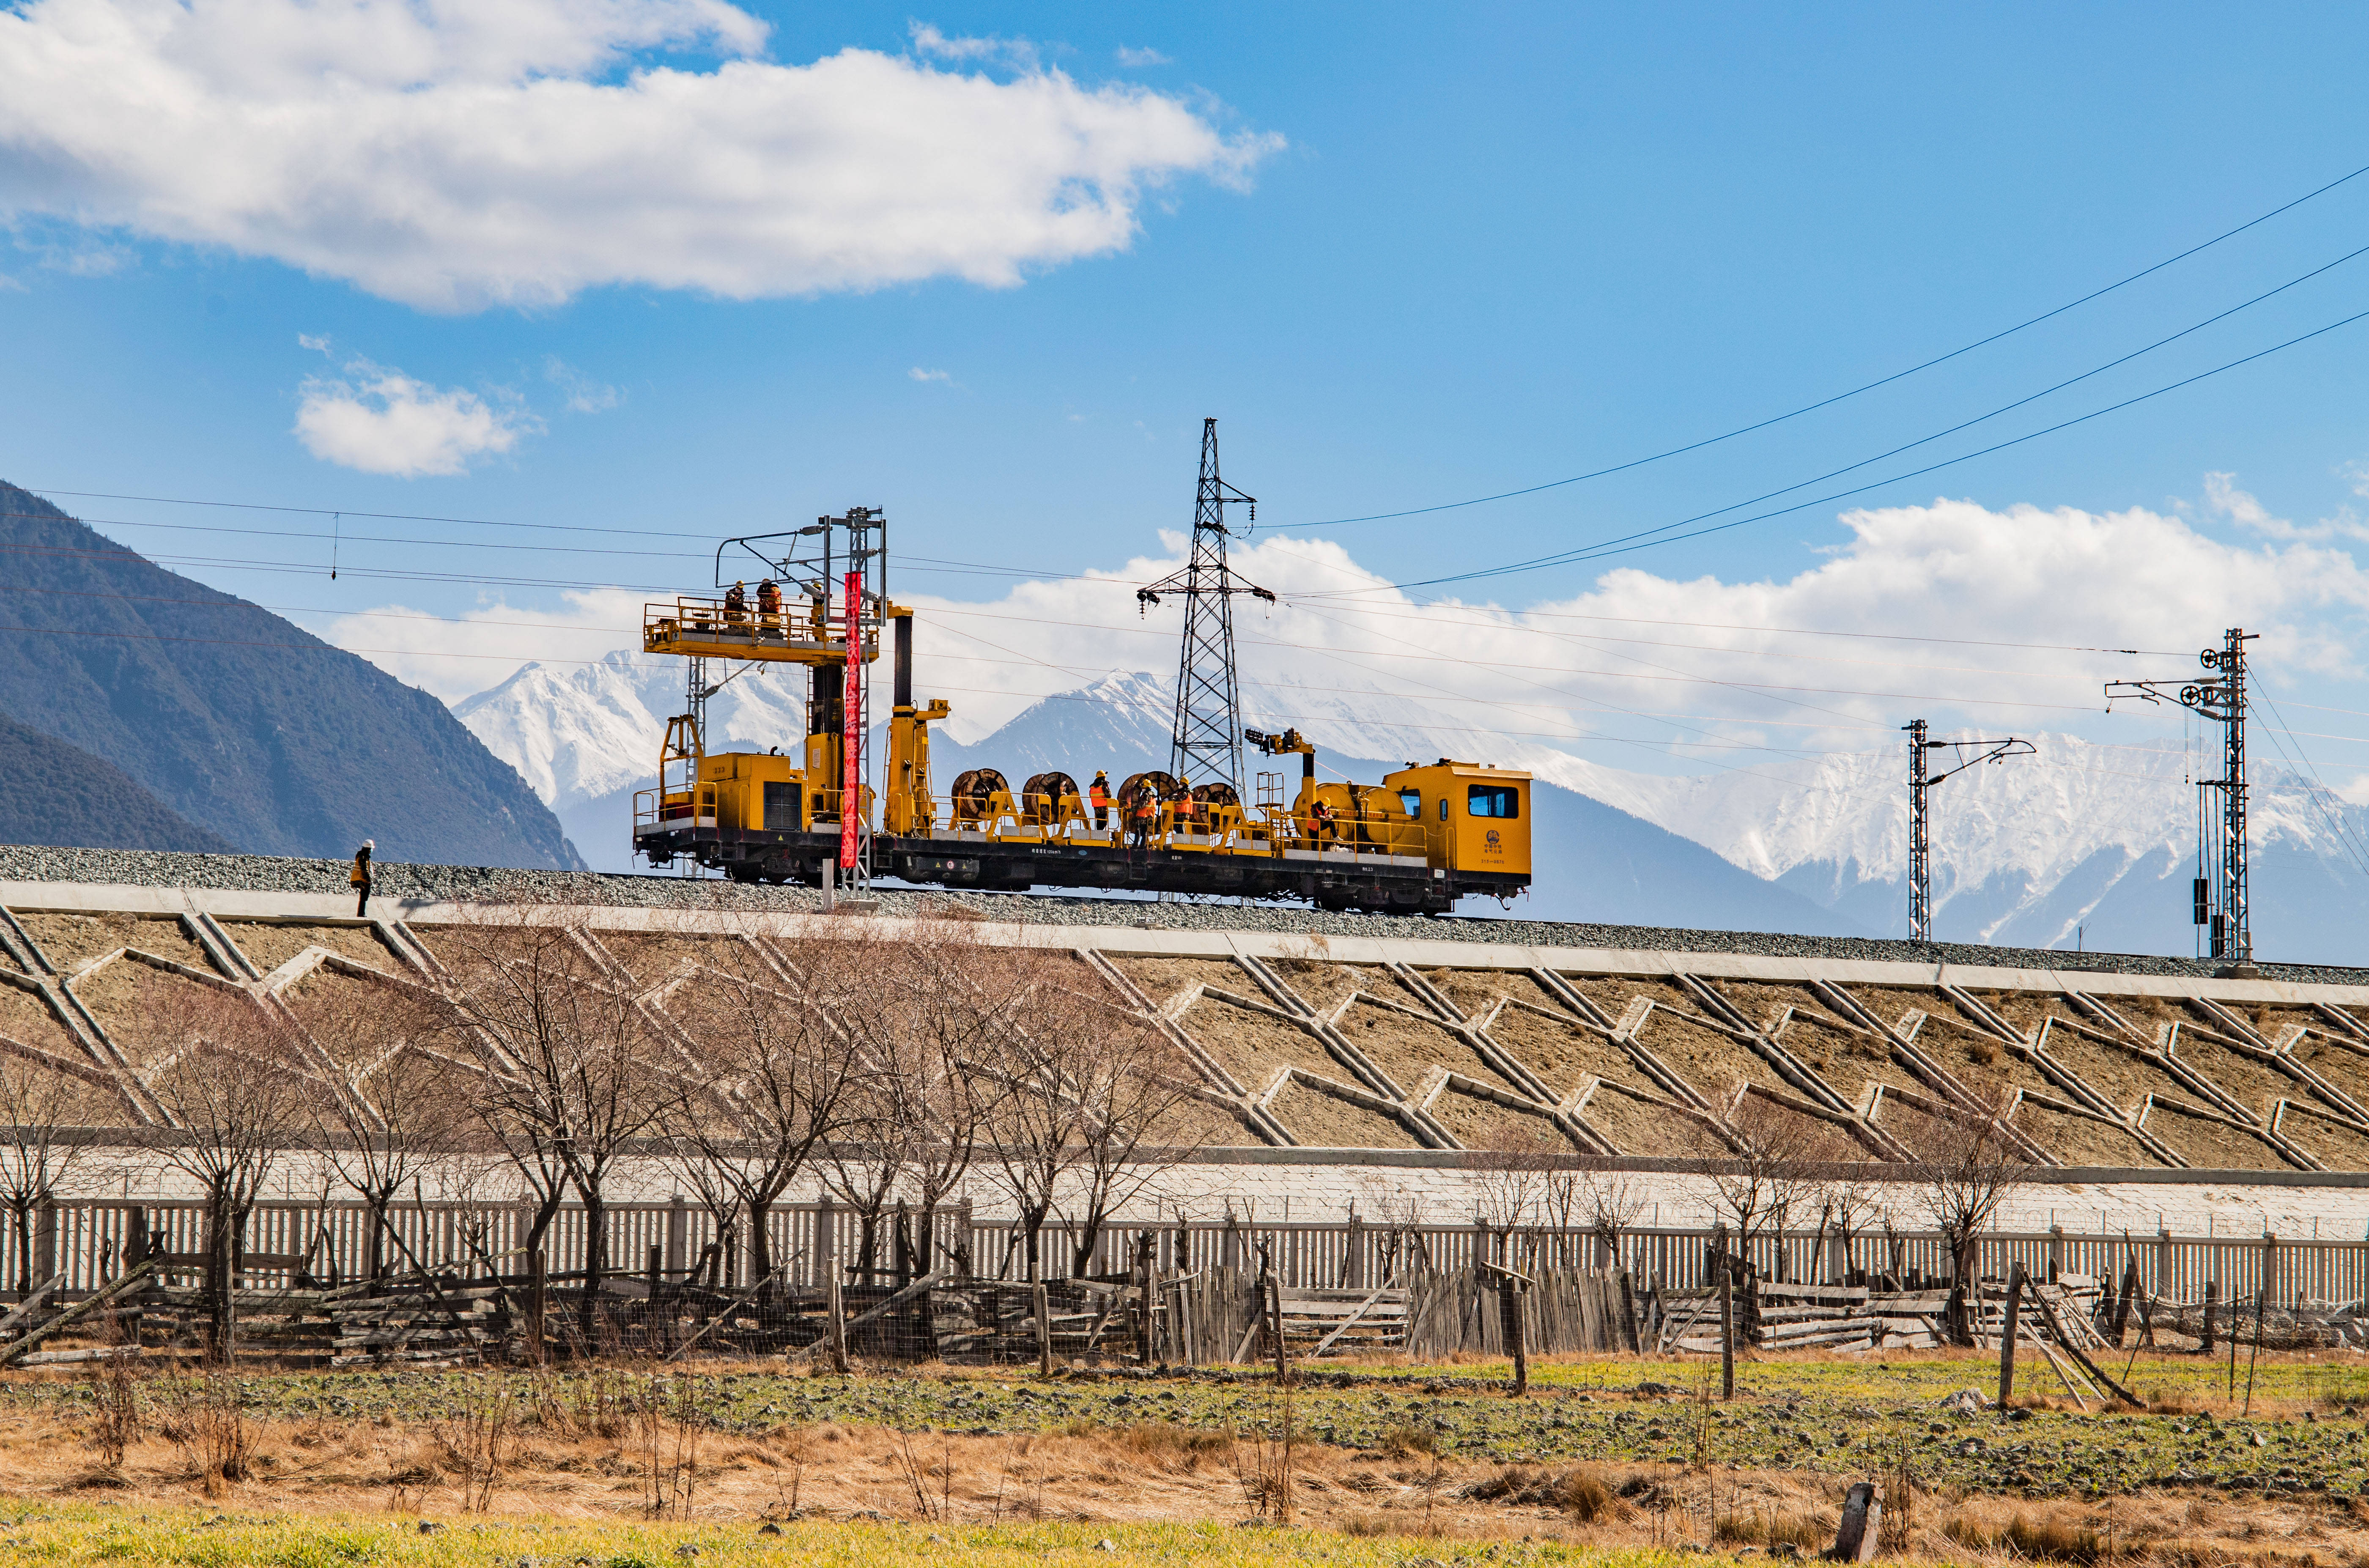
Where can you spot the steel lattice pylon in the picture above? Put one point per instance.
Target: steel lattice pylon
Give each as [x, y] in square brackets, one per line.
[2223, 900]
[1207, 744]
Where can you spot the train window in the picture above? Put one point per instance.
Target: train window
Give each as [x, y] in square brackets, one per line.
[1413, 800]
[1442, 808]
[1494, 800]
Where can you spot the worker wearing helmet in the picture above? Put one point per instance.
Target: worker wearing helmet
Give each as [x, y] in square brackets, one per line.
[361, 878]
[1099, 793]
[1319, 823]
[1146, 811]
[736, 607]
[769, 605]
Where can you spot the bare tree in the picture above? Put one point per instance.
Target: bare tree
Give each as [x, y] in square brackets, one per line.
[1604, 1203]
[47, 1104]
[578, 1065]
[932, 1047]
[1775, 1166]
[1515, 1182]
[778, 1071]
[1965, 1163]
[1085, 1089]
[397, 1111]
[236, 1087]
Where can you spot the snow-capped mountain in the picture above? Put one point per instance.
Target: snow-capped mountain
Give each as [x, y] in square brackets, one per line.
[2082, 844]
[586, 738]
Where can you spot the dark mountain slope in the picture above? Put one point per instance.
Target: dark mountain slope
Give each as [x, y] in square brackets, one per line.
[245, 725]
[52, 793]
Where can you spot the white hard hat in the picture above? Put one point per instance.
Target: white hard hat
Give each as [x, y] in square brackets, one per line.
[370, 844]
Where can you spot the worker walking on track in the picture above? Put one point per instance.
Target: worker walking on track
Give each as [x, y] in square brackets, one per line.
[1099, 793]
[360, 879]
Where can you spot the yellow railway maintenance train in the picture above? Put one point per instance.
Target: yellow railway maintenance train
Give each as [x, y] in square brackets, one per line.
[1416, 843]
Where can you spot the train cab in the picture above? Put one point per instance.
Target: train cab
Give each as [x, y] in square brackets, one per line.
[1476, 819]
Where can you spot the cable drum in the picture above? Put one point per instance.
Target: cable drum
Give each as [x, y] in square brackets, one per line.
[1159, 787]
[974, 794]
[1044, 798]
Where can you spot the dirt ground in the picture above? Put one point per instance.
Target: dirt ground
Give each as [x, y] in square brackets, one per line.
[527, 1448]
[1140, 1475]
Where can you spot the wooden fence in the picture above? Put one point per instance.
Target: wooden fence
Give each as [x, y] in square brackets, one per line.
[86, 1239]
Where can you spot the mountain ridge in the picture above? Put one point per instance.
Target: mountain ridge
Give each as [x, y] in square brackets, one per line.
[241, 722]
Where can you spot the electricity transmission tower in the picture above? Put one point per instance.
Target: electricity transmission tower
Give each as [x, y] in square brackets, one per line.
[1921, 841]
[1206, 747]
[2221, 896]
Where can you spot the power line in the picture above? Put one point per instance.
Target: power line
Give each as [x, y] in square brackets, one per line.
[2336, 823]
[1625, 543]
[2010, 408]
[1854, 392]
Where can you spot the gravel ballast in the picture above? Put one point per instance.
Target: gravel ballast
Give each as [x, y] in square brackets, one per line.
[271, 873]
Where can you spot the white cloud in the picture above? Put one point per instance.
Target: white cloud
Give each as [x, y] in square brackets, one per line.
[382, 421]
[1708, 670]
[1653, 672]
[1016, 53]
[318, 345]
[2223, 499]
[585, 396]
[455, 156]
[918, 373]
[1138, 58]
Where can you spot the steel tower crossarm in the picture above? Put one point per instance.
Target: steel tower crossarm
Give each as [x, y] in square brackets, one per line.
[1921, 780]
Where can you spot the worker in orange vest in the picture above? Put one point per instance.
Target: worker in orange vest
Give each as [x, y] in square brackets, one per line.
[1099, 793]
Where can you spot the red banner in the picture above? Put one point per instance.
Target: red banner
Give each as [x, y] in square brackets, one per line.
[851, 736]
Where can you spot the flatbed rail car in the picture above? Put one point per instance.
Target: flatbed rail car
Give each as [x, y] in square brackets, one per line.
[1423, 839]
[751, 818]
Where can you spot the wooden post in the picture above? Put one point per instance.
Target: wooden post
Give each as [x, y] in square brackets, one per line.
[2007, 1334]
[2211, 1299]
[1275, 1325]
[2236, 1323]
[2122, 1301]
[1863, 1516]
[2261, 1304]
[537, 1297]
[678, 1234]
[1629, 1314]
[1509, 1308]
[837, 1307]
[825, 1244]
[1726, 1330]
[1043, 1329]
[657, 1275]
[45, 1240]
[1146, 1260]
[1353, 1257]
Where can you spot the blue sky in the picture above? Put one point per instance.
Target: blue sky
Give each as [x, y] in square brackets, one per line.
[1405, 256]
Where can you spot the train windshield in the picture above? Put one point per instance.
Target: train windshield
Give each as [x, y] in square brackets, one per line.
[1494, 800]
